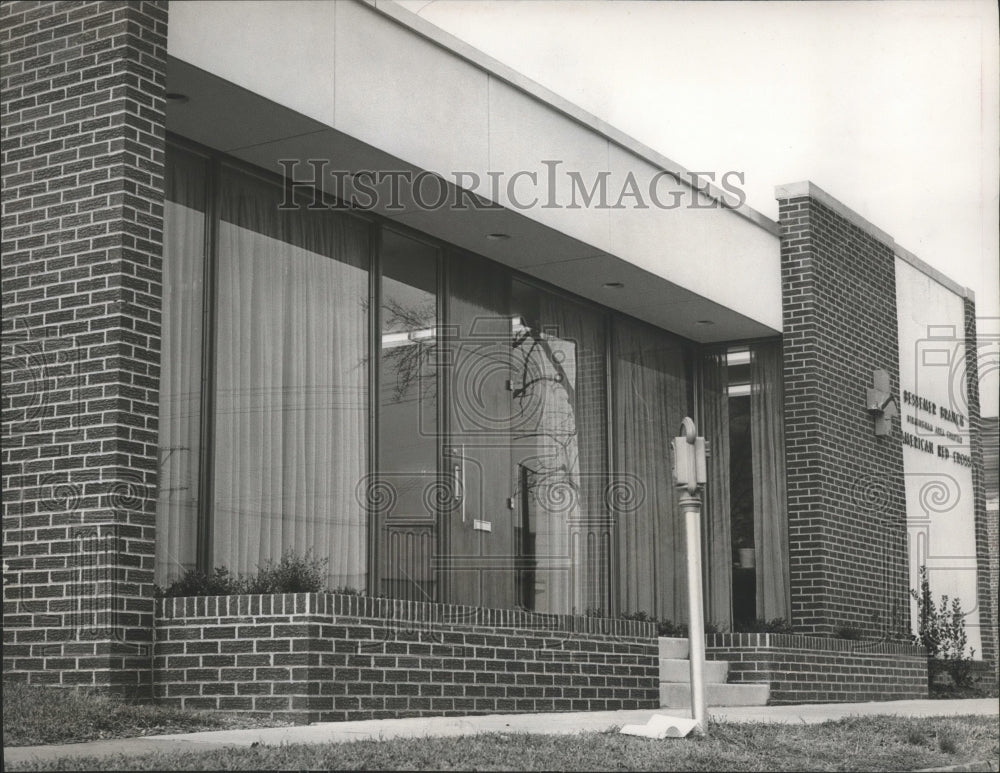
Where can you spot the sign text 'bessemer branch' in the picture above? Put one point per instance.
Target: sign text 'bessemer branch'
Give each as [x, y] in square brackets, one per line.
[925, 445]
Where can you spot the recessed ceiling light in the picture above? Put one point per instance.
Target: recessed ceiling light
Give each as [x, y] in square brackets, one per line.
[704, 322]
[497, 236]
[614, 285]
[176, 97]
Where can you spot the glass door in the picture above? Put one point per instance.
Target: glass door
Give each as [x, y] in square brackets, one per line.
[479, 548]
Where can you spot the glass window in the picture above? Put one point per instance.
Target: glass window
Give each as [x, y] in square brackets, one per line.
[291, 385]
[559, 442]
[746, 519]
[408, 439]
[651, 400]
[180, 369]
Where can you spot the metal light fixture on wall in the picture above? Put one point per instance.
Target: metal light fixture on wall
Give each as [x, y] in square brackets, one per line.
[880, 403]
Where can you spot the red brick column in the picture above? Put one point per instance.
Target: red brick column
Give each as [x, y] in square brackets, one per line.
[846, 498]
[83, 146]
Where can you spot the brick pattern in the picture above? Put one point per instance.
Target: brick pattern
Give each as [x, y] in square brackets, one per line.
[321, 657]
[846, 501]
[83, 134]
[987, 597]
[993, 543]
[810, 669]
[989, 441]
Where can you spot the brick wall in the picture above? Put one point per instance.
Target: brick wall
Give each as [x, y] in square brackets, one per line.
[989, 443]
[987, 599]
[993, 546]
[320, 657]
[846, 501]
[810, 669]
[83, 133]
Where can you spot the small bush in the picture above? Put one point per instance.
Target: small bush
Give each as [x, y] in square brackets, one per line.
[292, 573]
[346, 590]
[941, 631]
[760, 625]
[848, 632]
[197, 583]
[667, 628]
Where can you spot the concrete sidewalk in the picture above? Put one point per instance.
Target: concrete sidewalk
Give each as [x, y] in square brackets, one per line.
[575, 722]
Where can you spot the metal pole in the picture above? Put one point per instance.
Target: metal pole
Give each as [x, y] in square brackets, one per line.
[691, 507]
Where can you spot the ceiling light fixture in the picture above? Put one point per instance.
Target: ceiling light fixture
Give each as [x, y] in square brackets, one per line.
[175, 97]
[614, 285]
[497, 237]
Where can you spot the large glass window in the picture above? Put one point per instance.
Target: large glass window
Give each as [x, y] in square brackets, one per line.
[290, 408]
[651, 400]
[746, 518]
[491, 483]
[559, 443]
[180, 368]
[408, 437]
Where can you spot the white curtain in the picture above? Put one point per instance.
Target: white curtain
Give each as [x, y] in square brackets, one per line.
[770, 509]
[650, 402]
[291, 385]
[718, 549]
[179, 451]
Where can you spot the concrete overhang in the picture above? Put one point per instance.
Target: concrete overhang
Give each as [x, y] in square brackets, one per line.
[361, 89]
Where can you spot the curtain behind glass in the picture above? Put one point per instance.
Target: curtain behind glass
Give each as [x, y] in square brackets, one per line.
[650, 402]
[770, 511]
[291, 384]
[180, 365]
[718, 539]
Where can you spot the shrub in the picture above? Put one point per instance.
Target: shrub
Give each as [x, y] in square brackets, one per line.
[848, 632]
[667, 628]
[346, 590]
[197, 583]
[941, 631]
[292, 573]
[760, 625]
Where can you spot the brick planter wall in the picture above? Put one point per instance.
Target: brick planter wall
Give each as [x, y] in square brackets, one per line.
[812, 669]
[321, 657]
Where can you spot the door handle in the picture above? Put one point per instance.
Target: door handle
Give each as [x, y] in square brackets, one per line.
[458, 473]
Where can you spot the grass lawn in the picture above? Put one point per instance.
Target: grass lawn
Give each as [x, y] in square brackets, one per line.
[39, 715]
[855, 744]
[45, 715]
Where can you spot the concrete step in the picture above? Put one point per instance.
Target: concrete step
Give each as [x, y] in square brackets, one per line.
[676, 670]
[676, 695]
[676, 649]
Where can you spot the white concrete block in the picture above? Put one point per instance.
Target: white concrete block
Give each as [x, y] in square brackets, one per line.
[676, 670]
[673, 648]
[677, 695]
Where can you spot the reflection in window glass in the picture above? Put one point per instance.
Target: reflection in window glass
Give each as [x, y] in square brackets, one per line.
[408, 450]
[559, 447]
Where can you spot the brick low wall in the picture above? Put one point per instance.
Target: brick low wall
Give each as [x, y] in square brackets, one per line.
[321, 657]
[810, 669]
